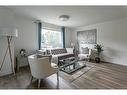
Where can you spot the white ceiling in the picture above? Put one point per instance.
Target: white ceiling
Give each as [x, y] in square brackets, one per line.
[79, 15]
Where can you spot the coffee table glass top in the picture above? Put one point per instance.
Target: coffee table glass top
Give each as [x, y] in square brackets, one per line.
[71, 65]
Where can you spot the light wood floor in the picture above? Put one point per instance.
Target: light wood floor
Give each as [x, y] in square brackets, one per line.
[101, 76]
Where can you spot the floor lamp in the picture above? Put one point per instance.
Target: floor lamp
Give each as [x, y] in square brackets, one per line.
[9, 33]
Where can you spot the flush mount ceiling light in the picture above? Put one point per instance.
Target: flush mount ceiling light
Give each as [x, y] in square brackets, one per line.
[64, 17]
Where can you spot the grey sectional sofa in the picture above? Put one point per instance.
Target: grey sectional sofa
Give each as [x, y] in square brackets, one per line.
[58, 54]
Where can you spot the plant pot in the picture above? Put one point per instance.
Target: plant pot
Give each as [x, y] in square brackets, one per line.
[97, 59]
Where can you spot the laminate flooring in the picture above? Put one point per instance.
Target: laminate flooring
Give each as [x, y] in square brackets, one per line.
[101, 76]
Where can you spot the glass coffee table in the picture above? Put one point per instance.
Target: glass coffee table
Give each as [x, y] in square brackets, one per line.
[70, 65]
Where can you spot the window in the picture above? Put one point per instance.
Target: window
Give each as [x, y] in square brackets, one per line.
[51, 39]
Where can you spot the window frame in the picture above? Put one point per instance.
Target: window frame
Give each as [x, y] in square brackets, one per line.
[50, 29]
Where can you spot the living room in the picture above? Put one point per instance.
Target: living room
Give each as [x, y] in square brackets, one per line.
[78, 27]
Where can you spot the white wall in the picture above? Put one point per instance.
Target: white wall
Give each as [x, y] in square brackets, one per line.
[113, 37]
[27, 34]
[6, 19]
[51, 26]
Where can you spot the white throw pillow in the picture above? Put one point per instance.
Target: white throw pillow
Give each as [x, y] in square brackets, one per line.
[69, 50]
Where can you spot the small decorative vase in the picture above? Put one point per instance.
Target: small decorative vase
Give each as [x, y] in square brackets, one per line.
[97, 59]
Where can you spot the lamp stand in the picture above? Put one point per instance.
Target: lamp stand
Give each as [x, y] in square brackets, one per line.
[9, 38]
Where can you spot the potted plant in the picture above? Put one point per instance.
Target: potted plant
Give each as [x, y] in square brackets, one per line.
[99, 49]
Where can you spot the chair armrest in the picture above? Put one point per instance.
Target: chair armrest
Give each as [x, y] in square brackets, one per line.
[54, 65]
[90, 51]
[54, 59]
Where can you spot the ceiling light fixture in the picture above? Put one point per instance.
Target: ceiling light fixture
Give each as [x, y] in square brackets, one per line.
[64, 17]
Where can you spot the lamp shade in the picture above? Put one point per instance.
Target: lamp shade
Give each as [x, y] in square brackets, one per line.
[8, 31]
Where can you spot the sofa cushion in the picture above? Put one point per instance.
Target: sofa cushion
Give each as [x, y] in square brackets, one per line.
[58, 51]
[58, 54]
[64, 56]
[56, 58]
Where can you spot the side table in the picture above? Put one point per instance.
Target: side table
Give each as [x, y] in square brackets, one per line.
[21, 61]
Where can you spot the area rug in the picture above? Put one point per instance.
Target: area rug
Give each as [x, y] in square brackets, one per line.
[77, 74]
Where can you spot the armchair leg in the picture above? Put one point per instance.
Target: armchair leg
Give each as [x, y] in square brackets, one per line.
[31, 79]
[39, 83]
[58, 80]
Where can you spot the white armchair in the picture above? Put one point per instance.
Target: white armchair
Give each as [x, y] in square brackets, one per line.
[41, 68]
[85, 54]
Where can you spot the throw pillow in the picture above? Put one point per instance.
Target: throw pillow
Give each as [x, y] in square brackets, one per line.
[85, 50]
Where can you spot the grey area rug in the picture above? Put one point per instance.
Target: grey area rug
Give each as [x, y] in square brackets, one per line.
[77, 74]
